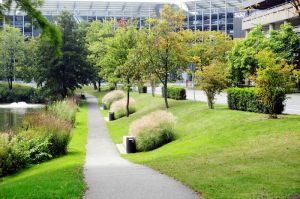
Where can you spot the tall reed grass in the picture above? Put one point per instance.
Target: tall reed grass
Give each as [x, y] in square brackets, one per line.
[119, 107]
[153, 130]
[112, 96]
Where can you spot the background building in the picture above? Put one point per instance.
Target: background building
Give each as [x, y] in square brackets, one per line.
[270, 14]
[215, 15]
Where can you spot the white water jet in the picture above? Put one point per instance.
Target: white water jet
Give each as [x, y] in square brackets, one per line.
[21, 105]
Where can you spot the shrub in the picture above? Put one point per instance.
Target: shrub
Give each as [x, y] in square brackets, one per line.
[119, 107]
[44, 135]
[245, 99]
[19, 93]
[65, 110]
[112, 96]
[174, 92]
[153, 130]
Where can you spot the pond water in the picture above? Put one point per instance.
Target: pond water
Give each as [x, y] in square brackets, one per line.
[12, 117]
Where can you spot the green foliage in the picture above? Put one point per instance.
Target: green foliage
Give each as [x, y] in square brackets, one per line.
[212, 80]
[242, 58]
[60, 76]
[11, 53]
[272, 82]
[175, 92]
[64, 110]
[43, 136]
[245, 99]
[206, 47]
[98, 36]
[162, 47]
[19, 93]
[65, 172]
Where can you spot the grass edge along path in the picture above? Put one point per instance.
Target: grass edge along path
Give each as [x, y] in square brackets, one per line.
[222, 153]
[61, 177]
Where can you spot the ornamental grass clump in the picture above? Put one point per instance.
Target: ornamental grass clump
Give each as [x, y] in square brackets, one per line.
[112, 96]
[119, 107]
[153, 130]
[64, 110]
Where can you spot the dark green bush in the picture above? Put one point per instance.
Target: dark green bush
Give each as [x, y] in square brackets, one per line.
[174, 92]
[19, 93]
[245, 99]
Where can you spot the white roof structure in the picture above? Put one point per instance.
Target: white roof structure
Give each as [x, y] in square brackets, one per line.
[129, 8]
[103, 7]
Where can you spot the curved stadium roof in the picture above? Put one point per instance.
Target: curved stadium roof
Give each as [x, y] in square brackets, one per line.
[130, 7]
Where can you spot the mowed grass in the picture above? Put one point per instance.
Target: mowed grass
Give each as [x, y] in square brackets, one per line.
[222, 153]
[58, 178]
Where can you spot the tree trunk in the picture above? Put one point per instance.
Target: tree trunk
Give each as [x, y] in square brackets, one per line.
[9, 81]
[166, 90]
[95, 85]
[210, 100]
[127, 103]
[153, 90]
[99, 85]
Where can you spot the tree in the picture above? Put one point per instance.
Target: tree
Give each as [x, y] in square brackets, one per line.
[163, 47]
[212, 79]
[30, 61]
[207, 46]
[11, 53]
[121, 50]
[241, 58]
[29, 7]
[273, 80]
[62, 75]
[97, 38]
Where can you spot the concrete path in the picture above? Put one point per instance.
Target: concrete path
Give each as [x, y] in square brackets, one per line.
[109, 176]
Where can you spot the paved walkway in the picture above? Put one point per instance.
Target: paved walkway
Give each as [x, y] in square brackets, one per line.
[109, 176]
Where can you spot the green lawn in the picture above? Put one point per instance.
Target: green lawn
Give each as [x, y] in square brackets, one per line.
[223, 153]
[58, 178]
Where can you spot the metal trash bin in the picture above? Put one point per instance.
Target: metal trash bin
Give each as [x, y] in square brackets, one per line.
[129, 144]
[104, 106]
[111, 116]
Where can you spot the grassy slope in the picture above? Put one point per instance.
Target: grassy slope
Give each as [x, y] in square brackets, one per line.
[223, 153]
[58, 178]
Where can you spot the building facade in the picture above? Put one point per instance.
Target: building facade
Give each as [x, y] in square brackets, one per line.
[203, 15]
[271, 14]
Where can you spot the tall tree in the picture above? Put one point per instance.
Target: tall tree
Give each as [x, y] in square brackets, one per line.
[119, 50]
[98, 35]
[62, 75]
[163, 46]
[11, 53]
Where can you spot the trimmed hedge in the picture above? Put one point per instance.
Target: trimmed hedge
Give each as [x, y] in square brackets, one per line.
[245, 99]
[174, 92]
